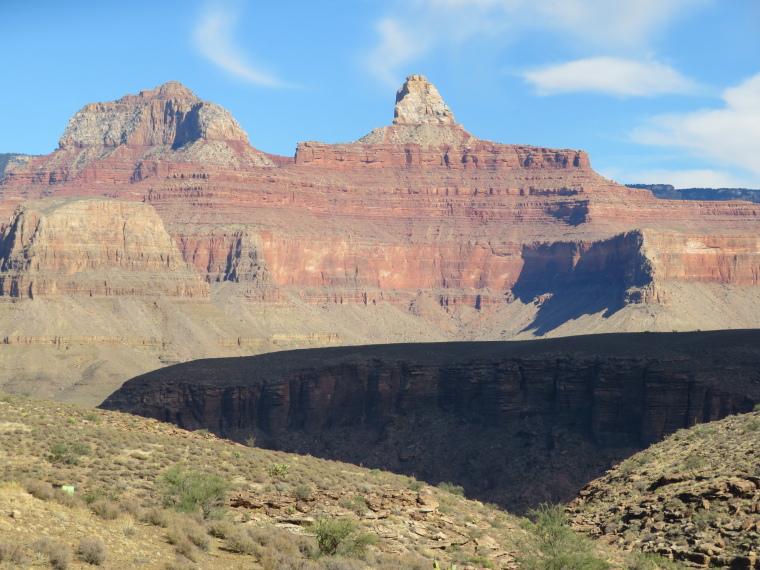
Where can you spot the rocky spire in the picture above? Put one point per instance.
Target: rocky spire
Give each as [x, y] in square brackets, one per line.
[418, 102]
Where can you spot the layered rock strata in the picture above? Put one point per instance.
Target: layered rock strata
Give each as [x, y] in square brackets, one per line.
[126, 140]
[92, 246]
[415, 408]
[417, 231]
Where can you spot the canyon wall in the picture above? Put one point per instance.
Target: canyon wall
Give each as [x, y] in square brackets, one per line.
[605, 392]
[417, 231]
[92, 246]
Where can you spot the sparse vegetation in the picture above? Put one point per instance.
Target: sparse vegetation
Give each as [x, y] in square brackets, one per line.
[92, 550]
[190, 491]
[555, 545]
[451, 488]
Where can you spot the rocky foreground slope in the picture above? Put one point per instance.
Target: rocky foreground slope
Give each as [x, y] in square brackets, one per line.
[694, 497]
[418, 231]
[119, 514]
[517, 423]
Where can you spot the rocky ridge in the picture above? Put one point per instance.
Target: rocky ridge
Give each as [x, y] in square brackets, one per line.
[694, 497]
[559, 410]
[418, 232]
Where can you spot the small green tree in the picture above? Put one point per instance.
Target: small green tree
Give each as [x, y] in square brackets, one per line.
[189, 491]
[559, 546]
[331, 533]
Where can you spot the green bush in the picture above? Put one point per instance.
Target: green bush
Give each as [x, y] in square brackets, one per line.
[190, 491]
[278, 470]
[555, 545]
[331, 533]
[451, 488]
[303, 492]
[68, 454]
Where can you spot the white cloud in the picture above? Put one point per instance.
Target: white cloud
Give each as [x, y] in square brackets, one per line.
[596, 23]
[396, 47]
[698, 178]
[214, 40]
[730, 135]
[610, 75]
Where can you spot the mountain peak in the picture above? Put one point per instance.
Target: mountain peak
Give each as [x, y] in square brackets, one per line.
[418, 102]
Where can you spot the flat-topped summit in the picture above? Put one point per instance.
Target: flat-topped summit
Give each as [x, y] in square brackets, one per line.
[418, 102]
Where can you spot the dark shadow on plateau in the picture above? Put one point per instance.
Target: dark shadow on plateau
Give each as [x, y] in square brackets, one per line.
[567, 281]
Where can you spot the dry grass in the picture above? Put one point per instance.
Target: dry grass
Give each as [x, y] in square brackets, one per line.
[118, 501]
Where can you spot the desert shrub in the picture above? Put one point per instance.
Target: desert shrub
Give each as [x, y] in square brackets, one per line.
[92, 417]
[157, 517]
[451, 488]
[40, 489]
[12, 553]
[303, 492]
[413, 485]
[221, 529]
[355, 503]
[556, 546]
[58, 554]
[106, 510]
[127, 526]
[68, 454]
[335, 536]
[92, 550]
[694, 462]
[331, 533]
[189, 491]
[196, 534]
[358, 545]
[278, 470]
[241, 543]
[342, 564]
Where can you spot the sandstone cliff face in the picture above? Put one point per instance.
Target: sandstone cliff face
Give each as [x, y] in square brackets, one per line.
[414, 407]
[418, 231]
[92, 246]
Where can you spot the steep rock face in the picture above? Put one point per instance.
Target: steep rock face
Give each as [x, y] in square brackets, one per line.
[434, 401]
[92, 246]
[418, 231]
[126, 140]
[418, 102]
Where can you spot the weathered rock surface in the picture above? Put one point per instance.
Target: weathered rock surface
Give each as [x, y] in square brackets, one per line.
[92, 246]
[693, 498]
[123, 141]
[503, 419]
[419, 231]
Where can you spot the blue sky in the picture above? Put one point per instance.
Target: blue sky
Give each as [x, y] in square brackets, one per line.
[656, 90]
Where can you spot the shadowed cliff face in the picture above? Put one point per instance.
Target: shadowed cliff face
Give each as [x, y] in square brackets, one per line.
[514, 422]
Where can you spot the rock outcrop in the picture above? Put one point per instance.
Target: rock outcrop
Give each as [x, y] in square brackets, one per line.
[127, 140]
[419, 231]
[694, 498]
[92, 246]
[459, 411]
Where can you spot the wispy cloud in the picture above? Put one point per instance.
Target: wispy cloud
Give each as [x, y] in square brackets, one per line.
[600, 24]
[396, 47]
[214, 40]
[730, 135]
[610, 75]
